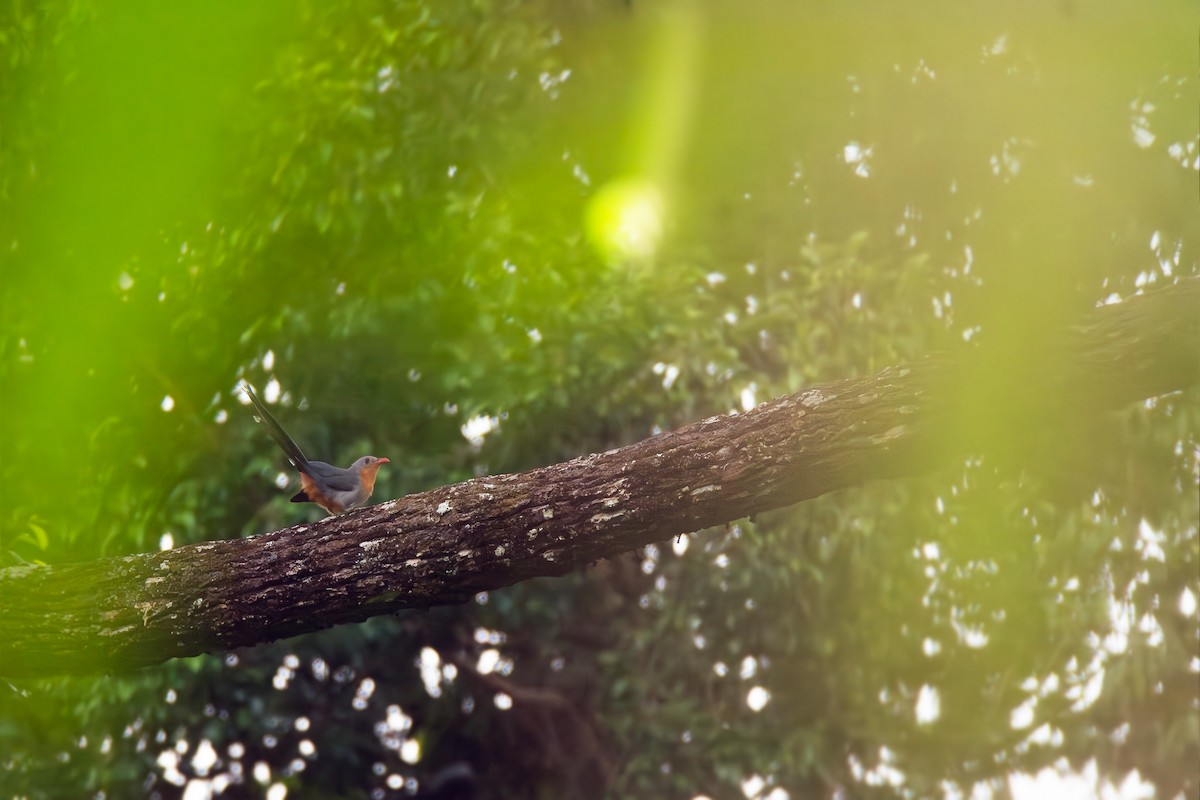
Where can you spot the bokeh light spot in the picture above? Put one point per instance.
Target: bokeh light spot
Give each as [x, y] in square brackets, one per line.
[624, 220]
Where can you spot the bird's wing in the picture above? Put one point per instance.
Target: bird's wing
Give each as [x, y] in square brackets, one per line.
[331, 478]
[293, 451]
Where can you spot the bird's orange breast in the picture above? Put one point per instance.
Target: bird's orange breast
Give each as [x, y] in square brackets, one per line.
[368, 477]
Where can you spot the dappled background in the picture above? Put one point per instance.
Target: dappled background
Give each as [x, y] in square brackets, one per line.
[476, 237]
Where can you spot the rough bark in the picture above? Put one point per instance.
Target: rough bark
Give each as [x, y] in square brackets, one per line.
[445, 545]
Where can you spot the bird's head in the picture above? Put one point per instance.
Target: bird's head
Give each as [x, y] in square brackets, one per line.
[369, 462]
[367, 466]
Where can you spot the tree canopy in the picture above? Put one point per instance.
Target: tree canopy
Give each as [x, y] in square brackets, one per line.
[483, 237]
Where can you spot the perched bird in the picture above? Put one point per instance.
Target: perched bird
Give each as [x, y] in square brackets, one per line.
[332, 488]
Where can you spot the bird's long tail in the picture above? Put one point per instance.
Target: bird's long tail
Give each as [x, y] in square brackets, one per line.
[293, 451]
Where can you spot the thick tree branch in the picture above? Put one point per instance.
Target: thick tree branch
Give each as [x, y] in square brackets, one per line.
[445, 545]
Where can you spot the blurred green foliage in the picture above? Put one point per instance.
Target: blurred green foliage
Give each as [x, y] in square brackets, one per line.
[383, 206]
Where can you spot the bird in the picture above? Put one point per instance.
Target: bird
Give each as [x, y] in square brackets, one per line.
[332, 488]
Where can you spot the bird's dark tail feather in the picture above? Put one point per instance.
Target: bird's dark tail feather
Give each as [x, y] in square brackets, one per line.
[293, 451]
[301, 497]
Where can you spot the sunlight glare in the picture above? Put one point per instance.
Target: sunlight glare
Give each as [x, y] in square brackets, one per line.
[624, 220]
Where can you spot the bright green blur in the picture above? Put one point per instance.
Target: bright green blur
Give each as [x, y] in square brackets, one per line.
[625, 220]
[126, 130]
[625, 216]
